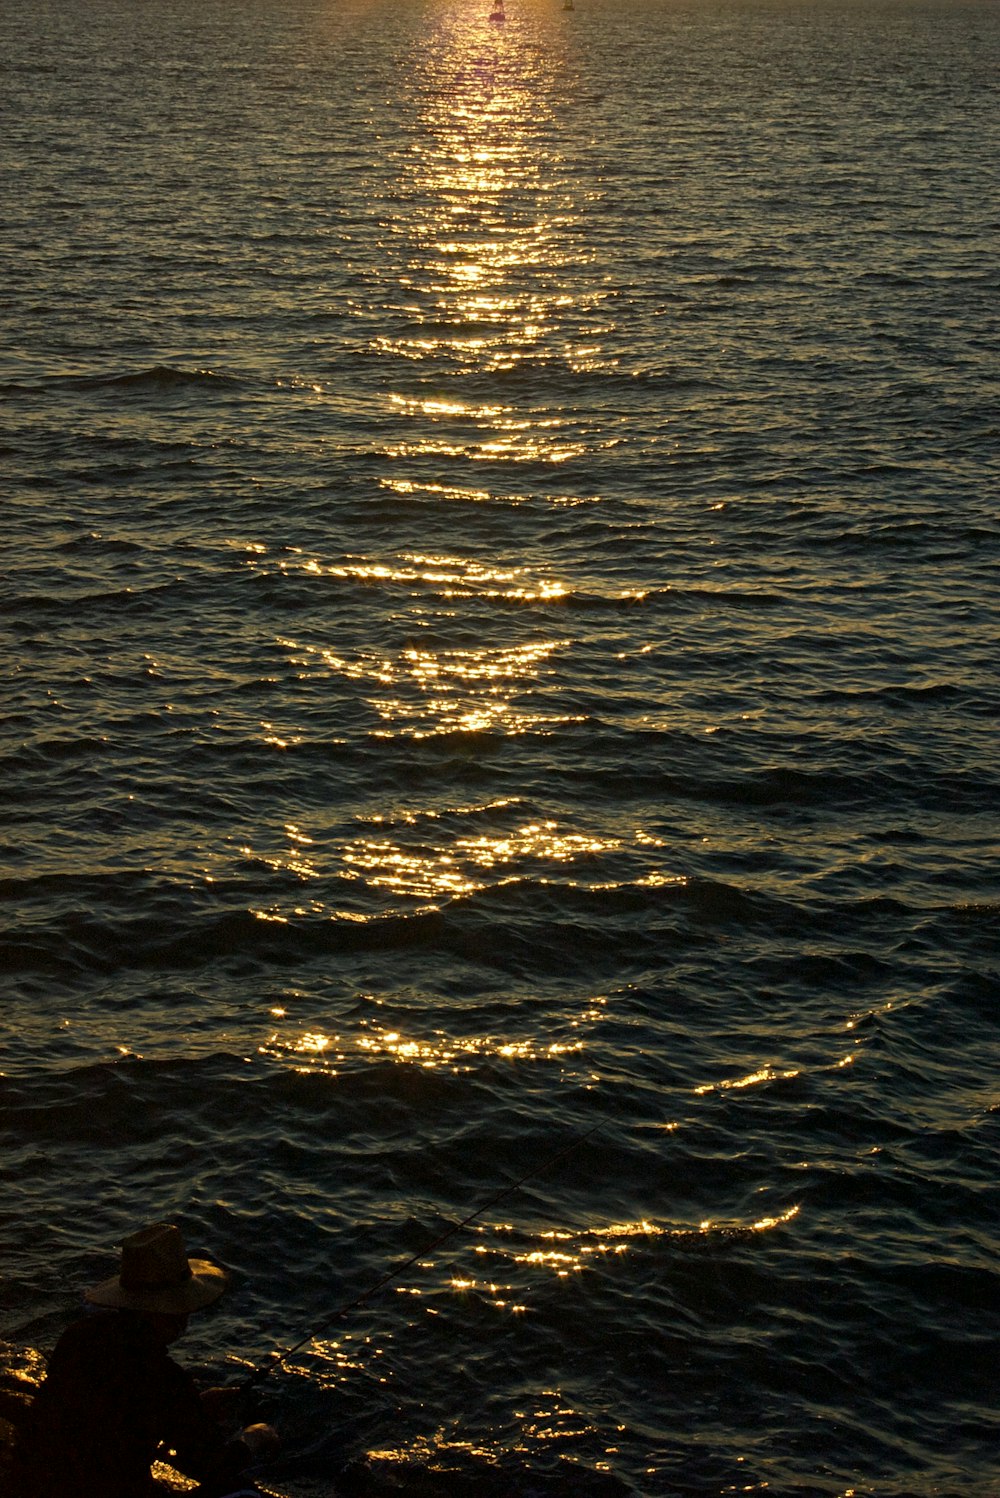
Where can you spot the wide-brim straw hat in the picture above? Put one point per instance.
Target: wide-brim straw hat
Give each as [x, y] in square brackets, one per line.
[156, 1275]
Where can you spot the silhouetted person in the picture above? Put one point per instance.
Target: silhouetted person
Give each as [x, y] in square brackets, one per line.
[113, 1400]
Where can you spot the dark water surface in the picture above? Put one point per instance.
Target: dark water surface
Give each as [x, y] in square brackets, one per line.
[500, 616]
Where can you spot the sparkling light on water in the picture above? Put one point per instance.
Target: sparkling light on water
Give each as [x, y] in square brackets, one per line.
[502, 633]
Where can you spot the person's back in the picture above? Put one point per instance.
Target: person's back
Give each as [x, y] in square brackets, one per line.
[112, 1396]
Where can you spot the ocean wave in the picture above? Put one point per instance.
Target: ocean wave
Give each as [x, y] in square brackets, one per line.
[158, 378]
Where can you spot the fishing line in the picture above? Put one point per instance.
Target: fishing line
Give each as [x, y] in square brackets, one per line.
[278, 1360]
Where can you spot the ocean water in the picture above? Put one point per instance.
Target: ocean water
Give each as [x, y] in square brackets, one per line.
[500, 640]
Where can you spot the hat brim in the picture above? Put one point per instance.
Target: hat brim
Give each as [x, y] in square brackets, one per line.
[206, 1284]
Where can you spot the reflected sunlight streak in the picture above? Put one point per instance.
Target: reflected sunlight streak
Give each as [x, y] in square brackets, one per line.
[314, 1050]
[434, 873]
[490, 227]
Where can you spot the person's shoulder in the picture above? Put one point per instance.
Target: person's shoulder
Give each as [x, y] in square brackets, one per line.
[92, 1334]
[95, 1324]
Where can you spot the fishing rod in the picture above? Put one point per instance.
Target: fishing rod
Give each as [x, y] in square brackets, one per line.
[278, 1360]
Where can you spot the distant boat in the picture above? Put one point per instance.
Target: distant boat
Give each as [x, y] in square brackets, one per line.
[498, 13]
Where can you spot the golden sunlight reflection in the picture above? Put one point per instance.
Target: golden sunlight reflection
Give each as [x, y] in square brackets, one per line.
[328, 1362]
[564, 1252]
[547, 1419]
[559, 1254]
[469, 494]
[437, 1053]
[312, 1050]
[427, 1452]
[424, 692]
[752, 1079]
[482, 247]
[469, 863]
[366, 1039]
[293, 860]
[764, 1074]
[419, 863]
[443, 575]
